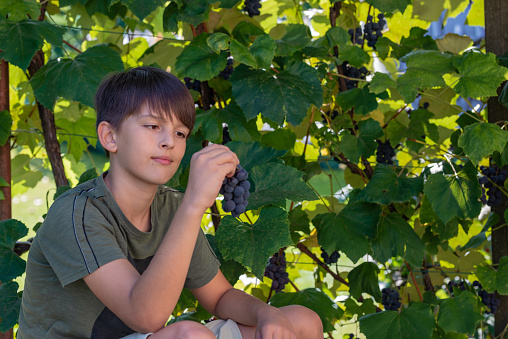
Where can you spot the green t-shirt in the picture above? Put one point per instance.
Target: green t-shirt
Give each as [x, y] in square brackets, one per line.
[85, 229]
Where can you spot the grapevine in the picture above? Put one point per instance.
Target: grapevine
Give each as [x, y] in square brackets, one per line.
[385, 152]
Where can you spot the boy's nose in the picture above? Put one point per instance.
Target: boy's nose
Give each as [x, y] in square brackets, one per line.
[167, 142]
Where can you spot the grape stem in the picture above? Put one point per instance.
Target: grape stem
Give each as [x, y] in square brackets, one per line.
[414, 281]
[395, 115]
[294, 286]
[305, 250]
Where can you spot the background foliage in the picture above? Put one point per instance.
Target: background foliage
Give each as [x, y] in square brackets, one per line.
[296, 114]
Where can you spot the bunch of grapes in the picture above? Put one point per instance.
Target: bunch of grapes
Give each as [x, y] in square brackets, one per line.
[225, 135]
[373, 29]
[195, 85]
[452, 283]
[276, 270]
[356, 36]
[252, 7]
[351, 336]
[330, 259]
[353, 72]
[390, 299]
[492, 175]
[228, 70]
[385, 152]
[489, 299]
[236, 192]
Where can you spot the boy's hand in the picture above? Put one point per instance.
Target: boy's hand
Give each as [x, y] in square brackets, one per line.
[208, 168]
[274, 325]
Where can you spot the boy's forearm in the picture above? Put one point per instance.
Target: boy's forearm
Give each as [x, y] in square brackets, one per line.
[241, 307]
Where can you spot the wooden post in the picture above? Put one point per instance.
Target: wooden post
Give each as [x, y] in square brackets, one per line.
[496, 41]
[5, 158]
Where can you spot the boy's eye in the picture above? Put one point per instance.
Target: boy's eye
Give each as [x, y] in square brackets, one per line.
[152, 127]
[181, 134]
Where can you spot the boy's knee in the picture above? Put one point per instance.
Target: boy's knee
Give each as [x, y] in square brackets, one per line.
[185, 329]
[305, 321]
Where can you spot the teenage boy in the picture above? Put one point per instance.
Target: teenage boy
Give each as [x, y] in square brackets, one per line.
[113, 254]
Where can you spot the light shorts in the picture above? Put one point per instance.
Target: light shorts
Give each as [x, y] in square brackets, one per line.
[221, 328]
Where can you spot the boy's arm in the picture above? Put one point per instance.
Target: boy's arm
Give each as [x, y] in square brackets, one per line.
[145, 302]
[222, 300]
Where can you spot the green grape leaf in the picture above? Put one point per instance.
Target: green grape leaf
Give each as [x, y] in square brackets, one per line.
[263, 50]
[75, 79]
[11, 265]
[239, 128]
[494, 279]
[386, 187]
[192, 12]
[459, 314]
[354, 55]
[480, 140]
[252, 154]
[241, 54]
[480, 75]
[218, 42]
[142, 8]
[16, 10]
[252, 245]
[425, 69]
[316, 300]
[244, 32]
[281, 139]
[76, 144]
[11, 305]
[297, 37]
[395, 237]
[362, 144]
[274, 183]
[337, 36]
[381, 82]
[366, 307]
[5, 126]
[20, 40]
[227, 3]
[88, 175]
[480, 238]
[298, 221]
[349, 230]
[416, 321]
[231, 269]
[199, 61]
[361, 99]
[388, 6]
[210, 125]
[416, 40]
[363, 279]
[453, 196]
[287, 94]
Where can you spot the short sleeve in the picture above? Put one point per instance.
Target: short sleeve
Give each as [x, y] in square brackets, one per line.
[204, 264]
[77, 238]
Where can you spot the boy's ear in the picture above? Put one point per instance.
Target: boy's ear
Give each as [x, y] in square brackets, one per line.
[107, 136]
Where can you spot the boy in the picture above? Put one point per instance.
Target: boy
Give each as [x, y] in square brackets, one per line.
[114, 253]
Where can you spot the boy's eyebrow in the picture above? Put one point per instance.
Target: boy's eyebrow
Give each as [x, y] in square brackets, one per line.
[159, 118]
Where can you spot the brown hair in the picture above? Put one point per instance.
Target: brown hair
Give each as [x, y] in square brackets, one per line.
[122, 94]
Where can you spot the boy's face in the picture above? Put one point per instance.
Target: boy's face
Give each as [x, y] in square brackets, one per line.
[149, 147]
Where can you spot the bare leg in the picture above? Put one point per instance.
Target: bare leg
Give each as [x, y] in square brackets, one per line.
[306, 323]
[183, 330]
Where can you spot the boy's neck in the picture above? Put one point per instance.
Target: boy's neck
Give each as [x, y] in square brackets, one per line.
[133, 199]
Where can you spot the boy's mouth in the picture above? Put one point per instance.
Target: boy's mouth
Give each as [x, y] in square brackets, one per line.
[163, 160]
